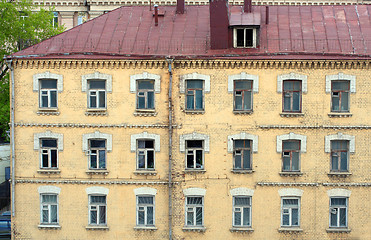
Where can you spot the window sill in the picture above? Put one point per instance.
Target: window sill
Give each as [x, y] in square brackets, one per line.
[194, 112]
[291, 174]
[241, 229]
[242, 112]
[338, 230]
[339, 174]
[92, 172]
[291, 114]
[145, 113]
[241, 171]
[48, 111]
[49, 171]
[97, 227]
[339, 115]
[145, 228]
[290, 229]
[194, 171]
[193, 229]
[145, 172]
[96, 112]
[44, 226]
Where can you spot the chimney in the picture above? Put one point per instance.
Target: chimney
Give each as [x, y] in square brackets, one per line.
[156, 15]
[247, 6]
[219, 22]
[180, 6]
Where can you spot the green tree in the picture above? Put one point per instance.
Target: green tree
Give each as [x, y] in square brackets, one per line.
[21, 25]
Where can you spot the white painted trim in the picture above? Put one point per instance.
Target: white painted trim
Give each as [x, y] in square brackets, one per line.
[145, 76]
[340, 136]
[47, 134]
[338, 192]
[97, 190]
[49, 189]
[194, 136]
[242, 192]
[292, 76]
[243, 136]
[292, 136]
[144, 135]
[96, 76]
[243, 76]
[290, 192]
[194, 192]
[145, 191]
[96, 135]
[47, 75]
[194, 76]
[341, 76]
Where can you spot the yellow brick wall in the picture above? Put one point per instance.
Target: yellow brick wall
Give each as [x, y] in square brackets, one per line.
[218, 122]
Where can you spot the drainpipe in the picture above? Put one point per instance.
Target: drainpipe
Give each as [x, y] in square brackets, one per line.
[170, 61]
[9, 62]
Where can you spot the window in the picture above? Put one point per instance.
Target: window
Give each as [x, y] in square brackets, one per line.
[97, 154]
[145, 94]
[243, 95]
[242, 154]
[49, 209]
[145, 155]
[290, 155]
[195, 95]
[194, 211]
[145, 211]
[340, 96]
[290, 212]
[242, 211]
[48, 93]
[339, 155]
[97, 210]
[194, 154]
[97, 94]
[338, 212]
[55, 19]
[245, 37]
[49, 153]
[291, 96]
[81, 18]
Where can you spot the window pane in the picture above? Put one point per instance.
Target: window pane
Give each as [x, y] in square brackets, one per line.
[190, 102]
[295, 161]
[97, 84]
[193, 84]
[98, 199]
[49, 198]
[247, 100]
[340, 85]
[53, 213]
[102, 159]
[288, 85]
[141, 102]
[246, 159]
[344, 101]
[296, 101]
[194, 200]
[194, 144]
[237, 218]
[198, 216]
[102, 99]
[295, 217]
[238, 102]
[45, 160]
[145, 84]
[237, 161]
[241, 201]
[150, 100]
[190, 218]
[145, 200]
[102, 214]
[198, 159]
[249, 37]
[286, 163]
[51, 84]
[93, 217]
[98, 143]
[199, 100]
[190, 163]
[285, 220]
[93, 101]
[53, 98]
[291, 145]
[49, 143]
[44, 101]
[149, 144]
[141, 163]
[344, 161]
[240, 37]
[287, 102]
[141, 217]
[338, 201]
[242, 85]
[150, 159]
[335, 103]
[343, 218]
[333, 218]
[246, 216]
[335, 163]
[45, 216]
[290, 202]
[150, 215]
[53, 154]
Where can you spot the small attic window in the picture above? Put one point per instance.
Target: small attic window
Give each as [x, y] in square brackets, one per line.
[245, 37]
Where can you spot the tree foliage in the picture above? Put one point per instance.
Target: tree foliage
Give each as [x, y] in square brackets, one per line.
[21, 25]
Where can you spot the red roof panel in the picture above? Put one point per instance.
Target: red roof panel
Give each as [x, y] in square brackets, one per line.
[296, 32]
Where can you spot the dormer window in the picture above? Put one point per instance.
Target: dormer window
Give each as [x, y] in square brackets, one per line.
[245, 37]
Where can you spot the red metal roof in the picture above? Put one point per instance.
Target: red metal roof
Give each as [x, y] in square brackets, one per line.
[293, 32]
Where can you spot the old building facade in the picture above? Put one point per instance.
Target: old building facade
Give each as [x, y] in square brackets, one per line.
[196, 133]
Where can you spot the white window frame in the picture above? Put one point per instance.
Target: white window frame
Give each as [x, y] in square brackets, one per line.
[194, 95]
[48, 205]
[47, 92]
[98, 149]
[37, 78]
[336, 209]
[290, 214]
[145, 209]
[145, 95]
[96, 93]
[48, 151]
[97, 206]
[49, 190]
[242, 212]
[254, 37]
[192, 152]
[289, 153]
[194, 207]
[145, 153]
[96, 76]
